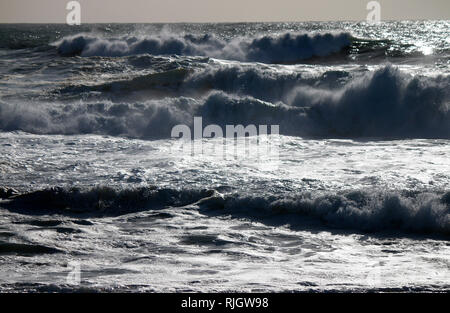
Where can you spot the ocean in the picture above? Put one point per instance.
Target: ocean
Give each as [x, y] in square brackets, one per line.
[344, 187]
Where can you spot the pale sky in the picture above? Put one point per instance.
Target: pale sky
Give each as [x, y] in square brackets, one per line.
[150, 11]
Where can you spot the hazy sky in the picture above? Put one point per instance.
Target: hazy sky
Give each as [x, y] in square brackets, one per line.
[104, 11]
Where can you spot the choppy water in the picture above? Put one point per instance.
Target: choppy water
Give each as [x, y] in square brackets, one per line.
[354, 195]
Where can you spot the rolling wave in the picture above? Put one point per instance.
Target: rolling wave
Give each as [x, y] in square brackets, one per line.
[103, 200]
[359, 210]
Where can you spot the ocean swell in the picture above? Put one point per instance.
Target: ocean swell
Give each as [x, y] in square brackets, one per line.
[102, 200]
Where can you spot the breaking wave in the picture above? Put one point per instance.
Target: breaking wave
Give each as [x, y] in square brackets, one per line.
[360, 210]
[384, 103]
[284, 48]
[417, 212]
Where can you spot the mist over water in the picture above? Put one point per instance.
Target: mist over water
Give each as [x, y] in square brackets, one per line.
[358, 185]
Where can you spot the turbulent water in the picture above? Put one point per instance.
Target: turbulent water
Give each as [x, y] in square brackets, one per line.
[353, 193]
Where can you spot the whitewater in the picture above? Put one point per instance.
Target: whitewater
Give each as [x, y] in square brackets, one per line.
[354, 194]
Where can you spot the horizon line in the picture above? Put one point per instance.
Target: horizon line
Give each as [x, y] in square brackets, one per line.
[233, 22]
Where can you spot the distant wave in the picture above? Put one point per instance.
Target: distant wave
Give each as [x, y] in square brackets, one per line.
[383, 103]
[284, 48]
[360, 210]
